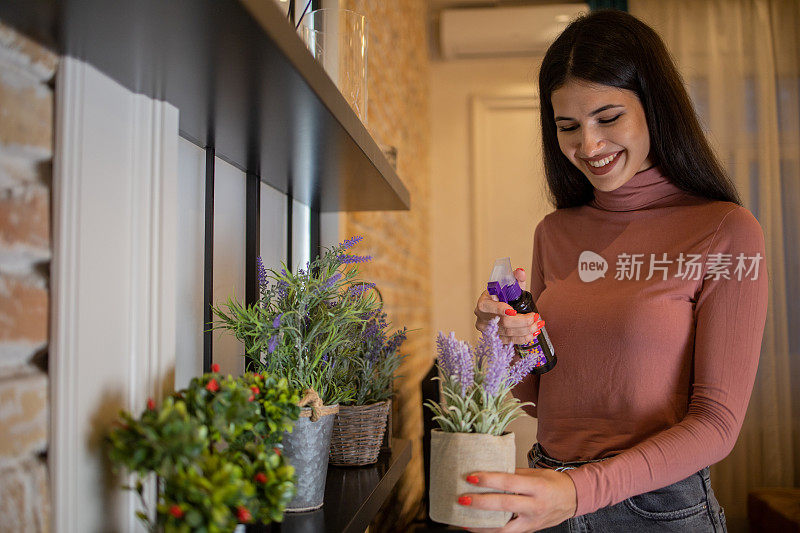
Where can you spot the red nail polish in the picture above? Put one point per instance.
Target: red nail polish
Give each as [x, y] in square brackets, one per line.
[511, 312]
[472, 479]
[520, 268]
[465, 500]
[540, 324]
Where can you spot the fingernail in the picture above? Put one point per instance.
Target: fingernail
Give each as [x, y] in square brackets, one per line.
[465, 500]
[540, 324]
[536, 317]
[472, 479]
[511, 312]
[520, 268]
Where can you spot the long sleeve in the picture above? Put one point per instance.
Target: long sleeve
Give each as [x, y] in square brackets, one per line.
[729, 316]
[528, 389]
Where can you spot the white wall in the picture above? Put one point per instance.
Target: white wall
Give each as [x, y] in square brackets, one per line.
[190, 258]
[301, 235]
[229, 258]
[273, 227]
[230, 191]
[486, 187]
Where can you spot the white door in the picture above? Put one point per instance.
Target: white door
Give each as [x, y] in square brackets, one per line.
[508, 197]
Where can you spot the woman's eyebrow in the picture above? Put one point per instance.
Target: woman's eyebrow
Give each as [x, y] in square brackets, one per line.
[593, 113]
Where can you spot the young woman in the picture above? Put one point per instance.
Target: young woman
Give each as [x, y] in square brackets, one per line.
[652, 279]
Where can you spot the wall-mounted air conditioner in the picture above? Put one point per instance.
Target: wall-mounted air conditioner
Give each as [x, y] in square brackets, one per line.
[503, 31]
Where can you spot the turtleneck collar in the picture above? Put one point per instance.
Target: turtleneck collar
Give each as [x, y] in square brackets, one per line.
[649, 188]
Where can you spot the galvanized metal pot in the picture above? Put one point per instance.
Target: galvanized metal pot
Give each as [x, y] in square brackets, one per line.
[453, 457]
[306, 448]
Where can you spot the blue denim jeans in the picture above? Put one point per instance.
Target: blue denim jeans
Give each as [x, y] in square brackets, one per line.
[686, 506]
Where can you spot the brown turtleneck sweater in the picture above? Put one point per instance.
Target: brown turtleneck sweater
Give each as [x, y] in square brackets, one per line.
[656, 372]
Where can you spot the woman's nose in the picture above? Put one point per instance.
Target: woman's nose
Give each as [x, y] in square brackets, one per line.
[592, 144]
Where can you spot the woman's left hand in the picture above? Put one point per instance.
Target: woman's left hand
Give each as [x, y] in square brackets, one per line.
[541, 498]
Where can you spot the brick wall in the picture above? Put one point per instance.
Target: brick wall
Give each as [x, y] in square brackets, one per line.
[26, 147]
[398, 116]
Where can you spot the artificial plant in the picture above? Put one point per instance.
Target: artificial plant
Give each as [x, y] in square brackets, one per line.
[215, 448]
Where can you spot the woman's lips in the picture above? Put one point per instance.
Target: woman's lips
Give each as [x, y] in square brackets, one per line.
[604, 169]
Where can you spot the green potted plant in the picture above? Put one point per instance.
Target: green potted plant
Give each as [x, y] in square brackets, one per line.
[215, 449]
[302, 329]
[473, 417]
[360, 424]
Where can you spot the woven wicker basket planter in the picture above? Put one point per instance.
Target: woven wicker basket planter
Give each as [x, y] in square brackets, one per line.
[358, 433]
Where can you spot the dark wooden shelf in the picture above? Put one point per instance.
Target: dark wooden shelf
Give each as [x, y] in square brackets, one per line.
[353, 496]
[243, 81]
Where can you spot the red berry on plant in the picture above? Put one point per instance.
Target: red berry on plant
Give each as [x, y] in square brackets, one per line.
[215, 367]
[277, 450]
[251, 398]
[261, 477]
[243, 514]
[176, 511]
[212, 386]
[254, 389]
[151, 404]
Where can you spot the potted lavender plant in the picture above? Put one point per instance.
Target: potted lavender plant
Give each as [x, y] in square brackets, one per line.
[473, 418]
[360, 424]
[302, 329]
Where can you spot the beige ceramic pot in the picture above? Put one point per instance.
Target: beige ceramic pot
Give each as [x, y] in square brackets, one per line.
[453, 457]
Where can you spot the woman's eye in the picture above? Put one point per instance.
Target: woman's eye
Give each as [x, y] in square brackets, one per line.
[608, 121]
[601, 121]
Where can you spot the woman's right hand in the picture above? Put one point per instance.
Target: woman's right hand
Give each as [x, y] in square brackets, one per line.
[514, 328]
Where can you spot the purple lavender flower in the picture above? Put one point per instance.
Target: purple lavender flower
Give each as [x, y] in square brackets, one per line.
[349, 259]
[273, 343]
[366, 315]
[456, 360]
[493, 358]
[357, 291]
[351, 242]
[324, 359]
[261, 273]
[465, 367]
[276, 322]
[282, 286]
[373, 354]
[396, 340]
[443, 346]
[521, 369]
[371, 330]
[330, 281]
[283, 289]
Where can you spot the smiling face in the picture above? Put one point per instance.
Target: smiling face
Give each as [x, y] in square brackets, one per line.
[603, 131]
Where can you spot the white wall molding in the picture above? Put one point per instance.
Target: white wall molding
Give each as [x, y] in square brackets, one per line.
[113, 305]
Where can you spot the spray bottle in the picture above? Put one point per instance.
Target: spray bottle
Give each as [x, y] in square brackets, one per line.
[504, 285]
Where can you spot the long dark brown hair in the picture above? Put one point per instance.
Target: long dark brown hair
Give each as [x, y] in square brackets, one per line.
[614, 48]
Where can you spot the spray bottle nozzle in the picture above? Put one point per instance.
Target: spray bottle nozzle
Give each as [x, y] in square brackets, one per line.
[502, 282]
